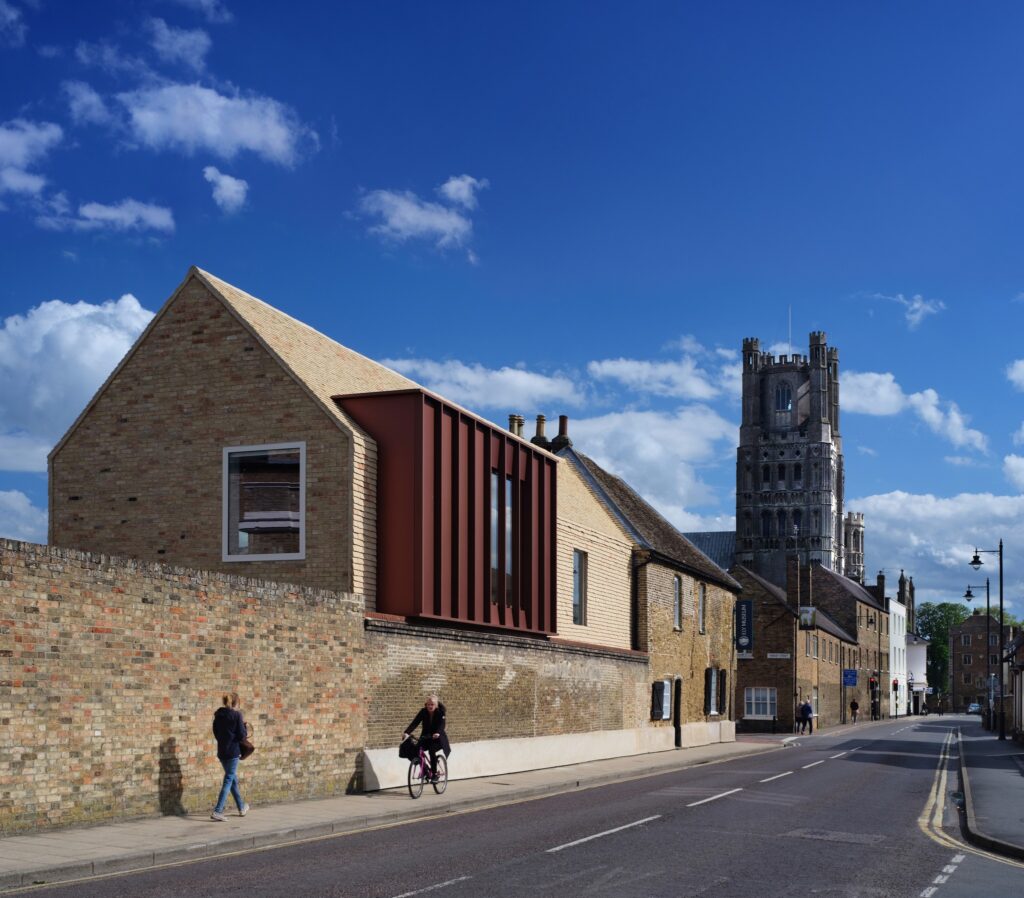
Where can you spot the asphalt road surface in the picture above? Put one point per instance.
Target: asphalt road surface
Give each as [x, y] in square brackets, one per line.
[845, 814]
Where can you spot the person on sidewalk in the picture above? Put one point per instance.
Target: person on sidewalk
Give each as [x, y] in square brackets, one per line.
[807, 712]
[432, 717]
[229, 731]
[854, 708]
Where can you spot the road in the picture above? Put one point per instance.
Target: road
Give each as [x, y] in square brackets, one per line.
[844, 814]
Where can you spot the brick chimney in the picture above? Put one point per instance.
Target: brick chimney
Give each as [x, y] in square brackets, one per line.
[538, 438]
[562, 440]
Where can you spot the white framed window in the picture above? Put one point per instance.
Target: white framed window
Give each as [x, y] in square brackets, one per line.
[702, 602]
[264, 502]
[760, 702]
[968, 659]
[677, 602]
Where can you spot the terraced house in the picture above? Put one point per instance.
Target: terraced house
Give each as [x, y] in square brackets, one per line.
[247, 504]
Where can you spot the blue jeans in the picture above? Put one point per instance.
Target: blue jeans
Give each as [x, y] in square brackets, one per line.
[230, 766]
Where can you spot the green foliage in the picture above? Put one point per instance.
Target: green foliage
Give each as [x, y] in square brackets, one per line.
[934, 621]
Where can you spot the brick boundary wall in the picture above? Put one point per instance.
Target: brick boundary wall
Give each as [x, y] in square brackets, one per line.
[498, 686]
[111, 669]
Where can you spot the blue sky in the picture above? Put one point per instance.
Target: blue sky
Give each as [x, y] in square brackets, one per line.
[574, 208]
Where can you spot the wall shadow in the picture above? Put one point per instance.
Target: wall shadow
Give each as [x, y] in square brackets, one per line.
[170, 783]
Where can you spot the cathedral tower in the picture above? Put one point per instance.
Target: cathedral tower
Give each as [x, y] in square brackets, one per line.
[789, 466]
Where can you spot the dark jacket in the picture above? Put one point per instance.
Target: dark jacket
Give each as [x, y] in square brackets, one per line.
[434, 723]
[229, 730]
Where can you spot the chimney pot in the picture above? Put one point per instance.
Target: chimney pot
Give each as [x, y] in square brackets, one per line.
[562, 440]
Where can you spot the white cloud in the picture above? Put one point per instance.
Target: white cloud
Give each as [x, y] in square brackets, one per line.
[187, 46]
[915, 309]
[961, 461]
[229, 193]
[867, 450]
[85, 104]
[110, 59]
[1013, 470]
[404, 216]
[682, 379]
[933, 538]
[475, 386]
[872, 393]
[1018, 436]
[462, 190]
[23, 144]
[52, 360]
[127, 215]
[23, 452]
[189, 117]
[214, 10]
[1015, 374]
[20, 519]
[659, 454]
[12, 28]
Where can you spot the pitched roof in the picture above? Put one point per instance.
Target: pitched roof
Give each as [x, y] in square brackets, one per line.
[326, 367]
[645, 524]
[821, 618]
[850, 586]
[718, 545]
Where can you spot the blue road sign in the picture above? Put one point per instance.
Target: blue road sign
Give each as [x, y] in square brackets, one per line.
[849, 676]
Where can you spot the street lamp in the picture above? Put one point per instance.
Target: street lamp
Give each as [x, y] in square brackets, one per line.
[988, 625]
[910, 693]
[976, 563]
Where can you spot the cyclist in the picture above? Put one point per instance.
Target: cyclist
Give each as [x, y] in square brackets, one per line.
[432, 737]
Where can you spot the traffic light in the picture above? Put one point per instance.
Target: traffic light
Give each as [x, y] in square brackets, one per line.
[873, 683]
[895, 685]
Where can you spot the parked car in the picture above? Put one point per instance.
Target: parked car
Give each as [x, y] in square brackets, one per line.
[974, 708]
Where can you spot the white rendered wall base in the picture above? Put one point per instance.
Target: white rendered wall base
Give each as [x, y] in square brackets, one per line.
[383, 769]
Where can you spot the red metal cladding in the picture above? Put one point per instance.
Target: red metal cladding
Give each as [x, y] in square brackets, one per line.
[465, 515]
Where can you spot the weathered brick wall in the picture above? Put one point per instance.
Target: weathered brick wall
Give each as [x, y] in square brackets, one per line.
[110, 671]
[142, 473]
[496, 686]
[686, 653]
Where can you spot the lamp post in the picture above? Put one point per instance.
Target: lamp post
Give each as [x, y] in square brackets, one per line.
[988, 676]
[976, 563]
[910, 693]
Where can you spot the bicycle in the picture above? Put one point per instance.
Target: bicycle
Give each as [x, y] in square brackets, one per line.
[419, 771]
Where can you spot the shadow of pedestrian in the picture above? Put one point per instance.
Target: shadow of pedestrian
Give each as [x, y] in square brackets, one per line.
[170, 780]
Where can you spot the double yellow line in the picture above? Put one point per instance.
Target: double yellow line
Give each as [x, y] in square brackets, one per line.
[930, 820]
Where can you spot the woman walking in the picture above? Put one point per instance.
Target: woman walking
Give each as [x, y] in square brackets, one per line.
[229, 730]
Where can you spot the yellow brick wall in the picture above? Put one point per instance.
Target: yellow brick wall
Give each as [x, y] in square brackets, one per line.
[141, 475]
[686, 653]
[583, 523]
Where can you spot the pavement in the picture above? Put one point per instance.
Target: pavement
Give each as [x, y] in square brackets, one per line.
[992, 779]
[992, 774]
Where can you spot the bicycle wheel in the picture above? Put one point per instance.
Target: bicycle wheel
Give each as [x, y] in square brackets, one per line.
[415, 779]
[441, 782]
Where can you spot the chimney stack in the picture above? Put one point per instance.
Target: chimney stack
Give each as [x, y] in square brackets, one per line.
[562, 440]
[538, 438]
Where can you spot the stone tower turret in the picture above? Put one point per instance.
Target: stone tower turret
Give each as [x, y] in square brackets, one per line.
[789, 465]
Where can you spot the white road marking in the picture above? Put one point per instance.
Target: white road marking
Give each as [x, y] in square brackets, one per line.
[959, 858]
[927, 893]
[714, 797]
[777, 776]
[837, 756]
[815, 764]
[939, 880]
[949, 868]
[607, 832]
[439, 885]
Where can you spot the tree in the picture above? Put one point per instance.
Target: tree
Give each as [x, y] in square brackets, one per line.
[934, 622]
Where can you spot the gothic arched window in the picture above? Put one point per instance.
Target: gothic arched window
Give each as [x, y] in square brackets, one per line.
[783, 397]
